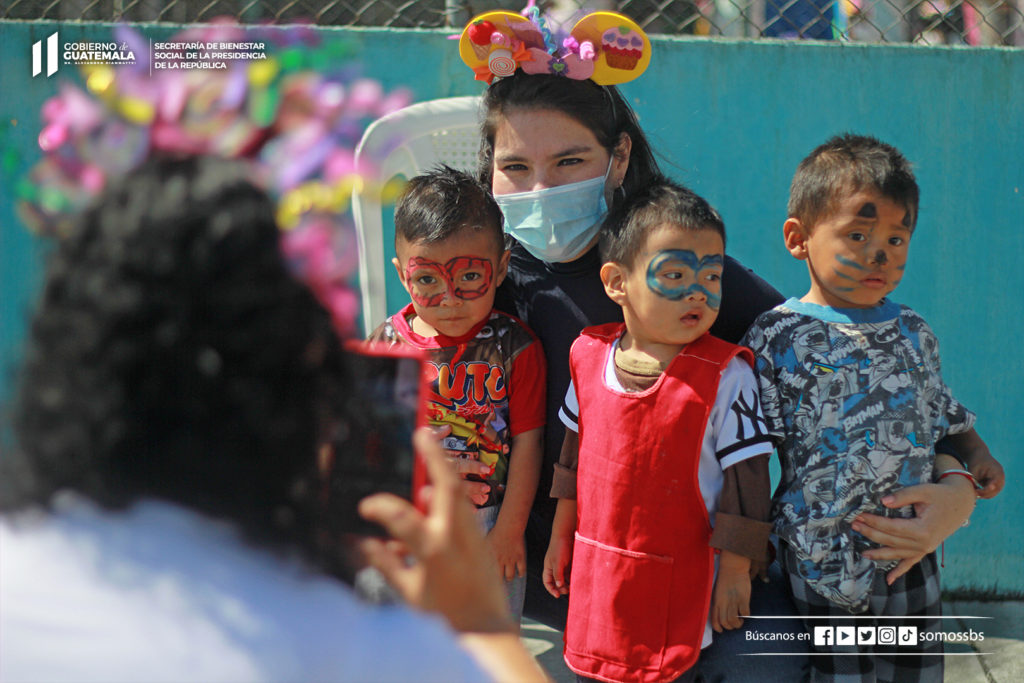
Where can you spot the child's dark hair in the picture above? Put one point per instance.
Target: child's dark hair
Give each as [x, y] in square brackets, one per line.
[174, 356]
[600, 108]
[628, 226]
[846, 164]
[436, 205]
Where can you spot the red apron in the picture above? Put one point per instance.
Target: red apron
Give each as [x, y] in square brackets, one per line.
[642, 568]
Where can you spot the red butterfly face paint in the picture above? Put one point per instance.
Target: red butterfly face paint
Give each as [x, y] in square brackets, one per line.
[463, 277]
[451, 282]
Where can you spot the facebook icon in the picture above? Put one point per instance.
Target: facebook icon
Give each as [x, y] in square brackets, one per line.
[823, 636]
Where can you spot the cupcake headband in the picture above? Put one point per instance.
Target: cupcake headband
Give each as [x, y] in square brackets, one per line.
[294, 117]
[606, 47]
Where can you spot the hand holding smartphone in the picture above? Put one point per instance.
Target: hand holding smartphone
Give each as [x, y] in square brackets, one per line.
[372, 450]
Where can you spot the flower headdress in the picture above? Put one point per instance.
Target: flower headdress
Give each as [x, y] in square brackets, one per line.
[296, 116]
[606, 47]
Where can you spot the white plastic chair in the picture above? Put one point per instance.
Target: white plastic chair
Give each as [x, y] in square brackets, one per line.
[407, 142]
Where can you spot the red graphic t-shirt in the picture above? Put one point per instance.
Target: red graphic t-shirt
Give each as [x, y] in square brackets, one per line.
[488, 386]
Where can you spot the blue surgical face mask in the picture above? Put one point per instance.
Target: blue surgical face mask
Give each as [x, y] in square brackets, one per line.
[557, 223]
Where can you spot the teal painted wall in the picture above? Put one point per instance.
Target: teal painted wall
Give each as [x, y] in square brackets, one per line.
[732, 119]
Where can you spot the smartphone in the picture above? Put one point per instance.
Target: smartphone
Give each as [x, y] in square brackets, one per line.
[370, 449]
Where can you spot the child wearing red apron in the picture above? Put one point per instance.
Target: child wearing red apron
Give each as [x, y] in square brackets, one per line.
[664, 437]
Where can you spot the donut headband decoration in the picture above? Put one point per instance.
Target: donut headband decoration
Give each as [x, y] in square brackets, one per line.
[606, 47]
[295, 117]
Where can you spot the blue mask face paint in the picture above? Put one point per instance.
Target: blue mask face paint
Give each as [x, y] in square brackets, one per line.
[674, 258]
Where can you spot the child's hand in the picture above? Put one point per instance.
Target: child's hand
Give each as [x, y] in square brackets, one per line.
[557, 561]
[558, 558]
[989, 474]
[477, 491]
[731, 598]
[509, 549]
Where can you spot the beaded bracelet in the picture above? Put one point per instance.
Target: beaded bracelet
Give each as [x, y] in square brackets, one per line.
[962, 473]
[977, 486]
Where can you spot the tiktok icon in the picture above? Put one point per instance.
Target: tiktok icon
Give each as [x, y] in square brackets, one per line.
[907, 636]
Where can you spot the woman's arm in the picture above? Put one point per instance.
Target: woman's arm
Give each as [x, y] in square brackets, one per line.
[940, 509]
[453, 573]
[976, 456]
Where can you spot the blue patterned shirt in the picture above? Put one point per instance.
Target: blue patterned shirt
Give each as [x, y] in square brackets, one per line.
[855, 401]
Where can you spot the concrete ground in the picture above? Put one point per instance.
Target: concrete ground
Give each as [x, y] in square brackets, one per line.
[998, 658]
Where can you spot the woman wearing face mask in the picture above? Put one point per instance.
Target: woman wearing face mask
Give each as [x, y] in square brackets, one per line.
[557, 152]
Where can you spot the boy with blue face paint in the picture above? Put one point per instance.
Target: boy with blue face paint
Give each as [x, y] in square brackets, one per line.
[668, 452]
[853, 394]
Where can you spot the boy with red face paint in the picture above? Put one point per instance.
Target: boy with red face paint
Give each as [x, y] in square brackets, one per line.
[853, 395]
[488, 368]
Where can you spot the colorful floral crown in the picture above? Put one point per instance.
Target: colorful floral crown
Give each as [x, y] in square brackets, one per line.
[296, 116]
[606, 47]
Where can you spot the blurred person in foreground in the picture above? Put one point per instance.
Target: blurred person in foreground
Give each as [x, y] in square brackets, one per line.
[159, 518]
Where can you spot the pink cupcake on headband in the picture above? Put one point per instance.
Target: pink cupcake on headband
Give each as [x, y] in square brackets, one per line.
[622, 47]
[605, 47]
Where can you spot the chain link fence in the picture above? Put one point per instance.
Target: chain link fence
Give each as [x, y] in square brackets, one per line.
[929, 22]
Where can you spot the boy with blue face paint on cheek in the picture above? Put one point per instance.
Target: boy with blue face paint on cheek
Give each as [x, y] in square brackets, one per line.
[852, 391]
[664, 438]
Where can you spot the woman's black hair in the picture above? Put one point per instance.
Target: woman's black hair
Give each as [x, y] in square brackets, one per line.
[600, 108]
[173, 356]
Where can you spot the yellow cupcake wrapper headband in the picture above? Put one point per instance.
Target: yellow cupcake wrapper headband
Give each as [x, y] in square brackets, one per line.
[606, 47]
